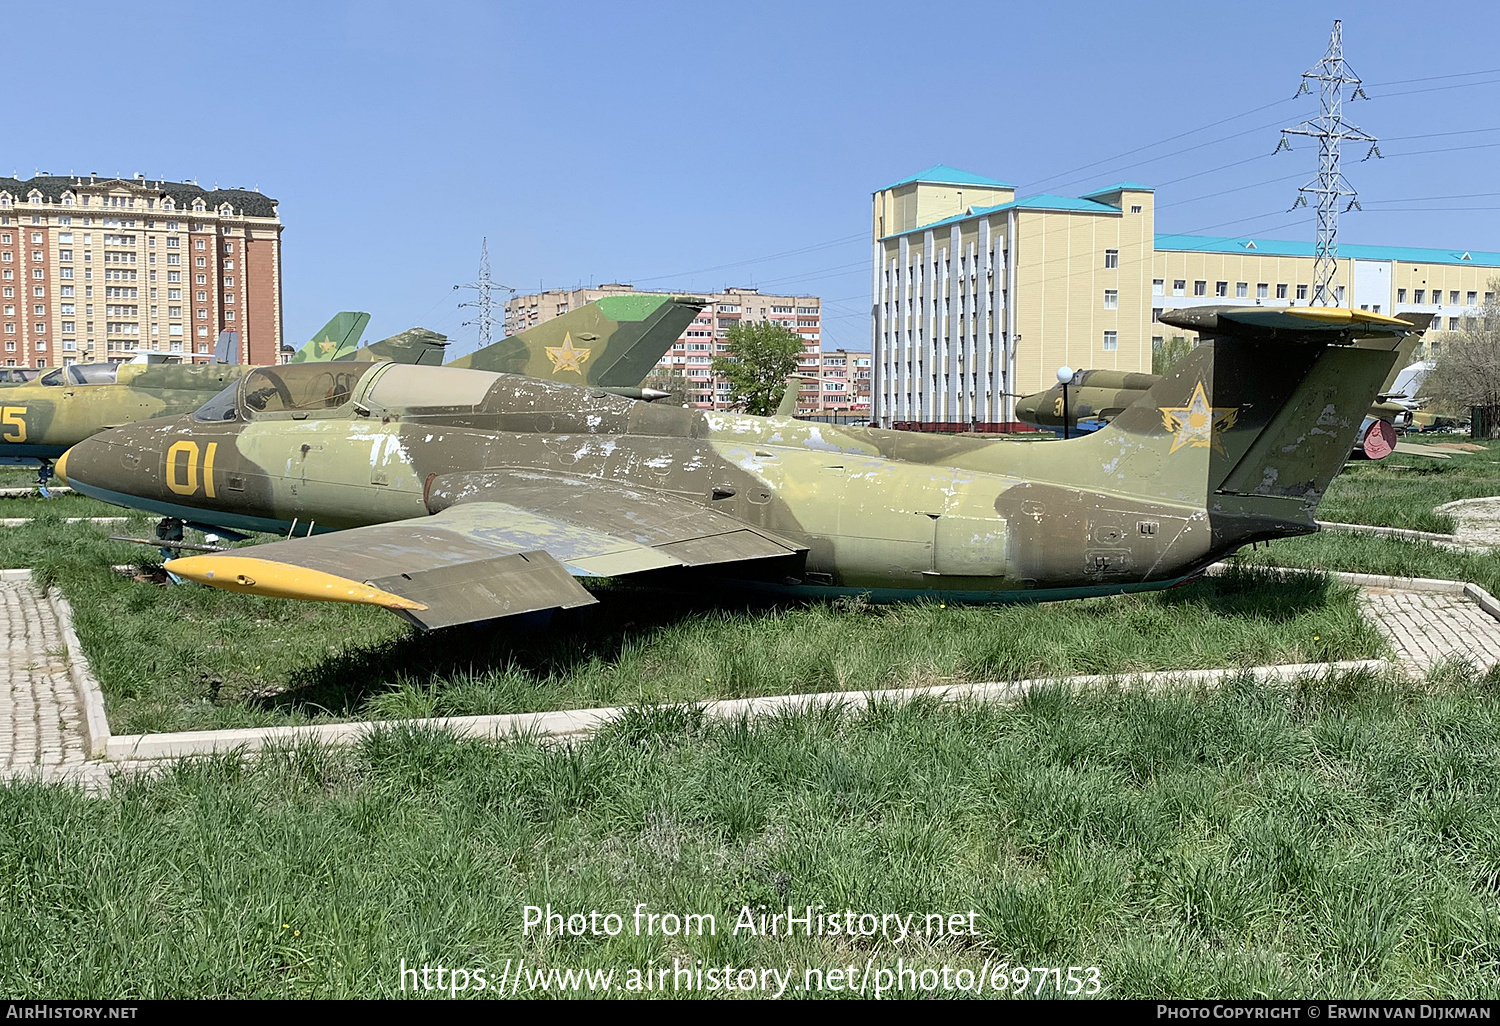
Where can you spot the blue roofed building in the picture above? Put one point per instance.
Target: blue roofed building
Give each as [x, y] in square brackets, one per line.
[979, 295]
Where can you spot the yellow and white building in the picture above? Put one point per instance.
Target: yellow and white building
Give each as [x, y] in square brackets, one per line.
[977, 297]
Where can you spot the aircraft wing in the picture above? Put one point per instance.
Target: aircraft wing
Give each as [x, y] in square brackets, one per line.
[481, 560]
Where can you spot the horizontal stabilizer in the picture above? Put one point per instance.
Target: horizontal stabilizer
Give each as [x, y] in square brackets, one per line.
[1312, 324]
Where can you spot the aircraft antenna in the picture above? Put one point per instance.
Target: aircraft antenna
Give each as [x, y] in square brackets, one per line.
[1330, 129]
[485, 318]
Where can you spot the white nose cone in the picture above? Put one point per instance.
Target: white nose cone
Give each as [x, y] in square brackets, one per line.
[1064, 375]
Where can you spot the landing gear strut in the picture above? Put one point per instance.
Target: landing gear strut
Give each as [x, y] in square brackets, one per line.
[169, 529]
[43, 475]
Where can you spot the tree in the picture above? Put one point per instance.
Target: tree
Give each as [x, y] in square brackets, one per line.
[1169, 353]
[671, 380]
[1467, 369]
[760, 357]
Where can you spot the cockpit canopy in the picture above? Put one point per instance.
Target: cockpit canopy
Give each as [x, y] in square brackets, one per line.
[83, 374]
[315, 387]
[286, 388]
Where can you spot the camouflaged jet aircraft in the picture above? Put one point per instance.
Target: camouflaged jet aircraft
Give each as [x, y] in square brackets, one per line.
[452, 495]
[615, 347]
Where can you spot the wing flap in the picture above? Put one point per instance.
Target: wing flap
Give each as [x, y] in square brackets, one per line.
[526, 582]
[690, 532]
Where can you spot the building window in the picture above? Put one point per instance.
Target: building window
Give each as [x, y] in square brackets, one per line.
[1111, 299]
[1158, 287]
[1179, 286]
[1111, 341]
[1280, 291]
[1221, 288]
[1155, 314]
[1473, 299]
[1241, 290]
[1200, 288]
[1135, 208]
[1452, 323]
[1301, 291]
[1262, 291]
[198, 262]
[1400, 295]
[1338, 295]
[1111, 258]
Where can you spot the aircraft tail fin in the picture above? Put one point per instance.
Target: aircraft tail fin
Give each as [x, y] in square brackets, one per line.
[1257, 420]
[791, 393]
[335, 339]
[414, 345]
[227, 349]
[613, 341]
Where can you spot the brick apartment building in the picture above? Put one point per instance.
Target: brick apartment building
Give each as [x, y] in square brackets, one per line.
[95, 269]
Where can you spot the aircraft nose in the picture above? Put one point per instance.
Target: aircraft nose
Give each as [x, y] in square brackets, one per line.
[120, 461]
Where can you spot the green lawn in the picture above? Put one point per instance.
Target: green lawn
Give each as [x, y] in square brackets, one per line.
[1316, 840]
[1333, 839]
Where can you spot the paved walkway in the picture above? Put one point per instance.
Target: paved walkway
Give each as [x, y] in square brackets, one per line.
[40, 715]
[1427, 628]
[43, 733]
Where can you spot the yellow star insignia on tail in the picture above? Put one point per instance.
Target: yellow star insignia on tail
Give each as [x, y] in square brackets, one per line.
[568, 357]
[1197, 423]
[326, 346]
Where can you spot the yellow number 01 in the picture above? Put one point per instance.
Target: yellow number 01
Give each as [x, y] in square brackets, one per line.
[10, 416]
[182, 475]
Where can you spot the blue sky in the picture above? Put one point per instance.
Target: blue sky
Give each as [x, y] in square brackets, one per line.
[687, 146]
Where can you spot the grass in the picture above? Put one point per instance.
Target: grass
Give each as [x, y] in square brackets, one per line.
[1371, 555]
[1335, 839]
[1402, 490]
[1316, 839]
[186, 658]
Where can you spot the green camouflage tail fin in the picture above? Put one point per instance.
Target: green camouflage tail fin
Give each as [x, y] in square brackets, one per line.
[1256, 421]
[337, 338]
[614, 341]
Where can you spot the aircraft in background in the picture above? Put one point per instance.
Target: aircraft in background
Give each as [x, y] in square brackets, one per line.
[451, 495]
[1096, 397]
[39, 420]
